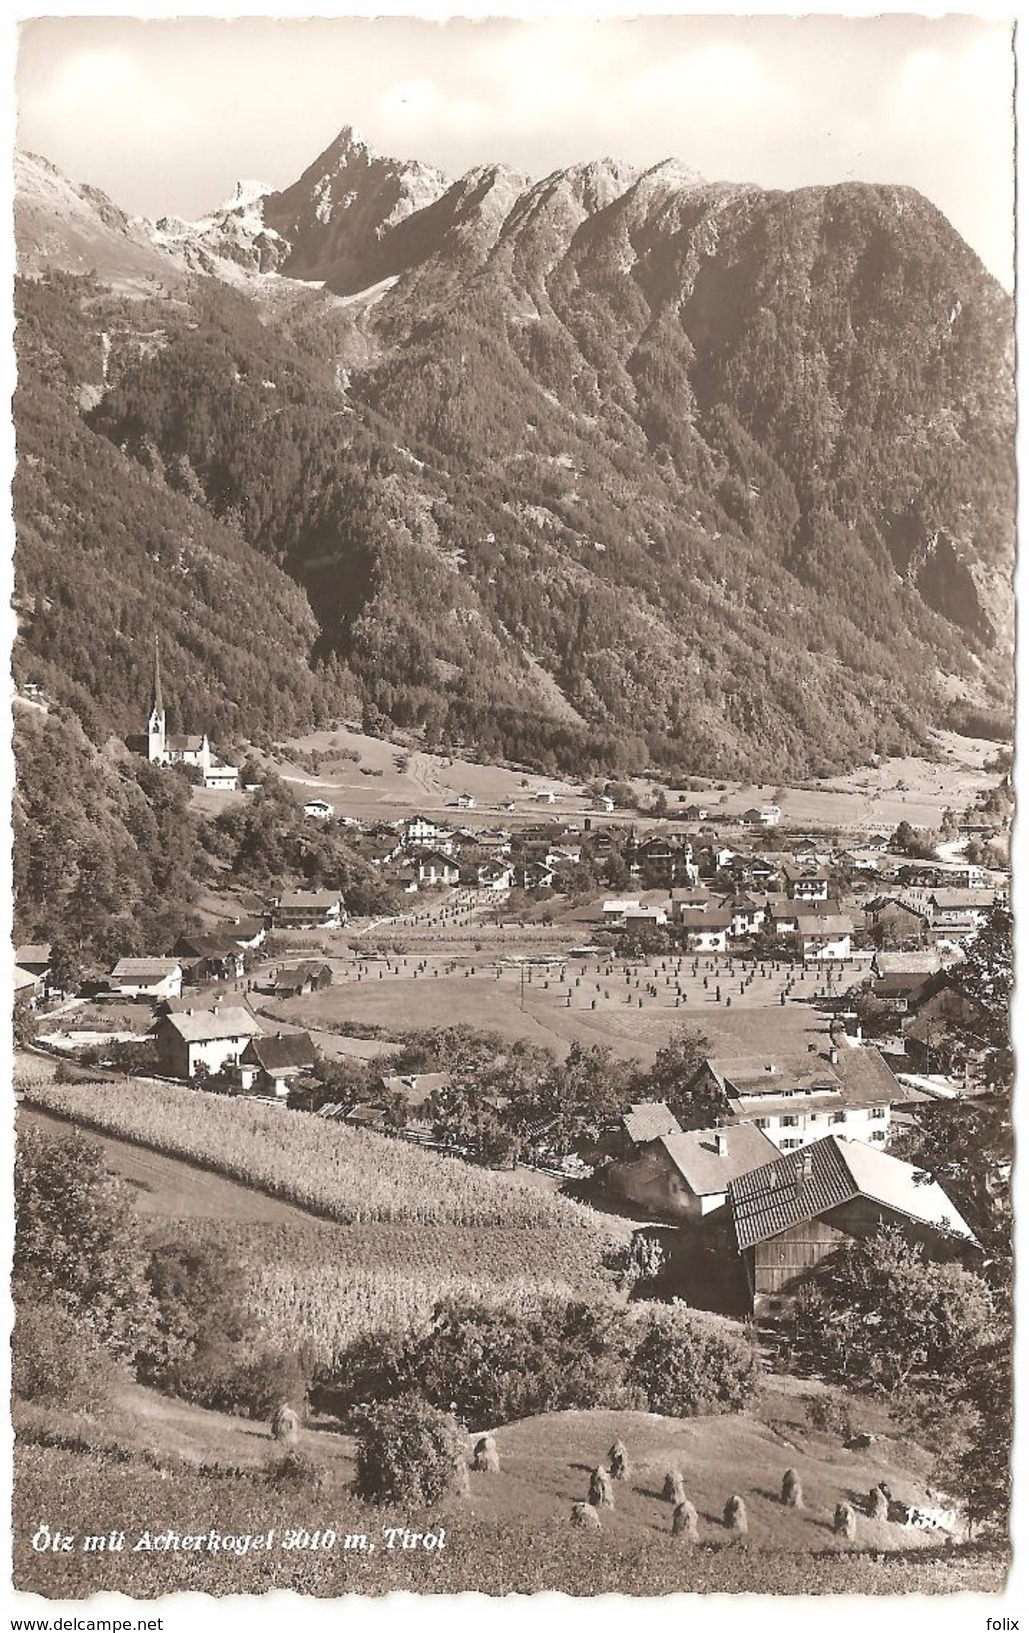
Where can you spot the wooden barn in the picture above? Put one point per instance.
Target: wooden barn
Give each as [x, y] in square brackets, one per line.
[791, 1214]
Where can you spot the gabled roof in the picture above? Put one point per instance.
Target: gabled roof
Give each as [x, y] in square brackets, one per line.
[279, 1051]
[144, 969]
[796, 873]
[311, 898]
[922, 963]
[649, 1120]
[33, 952]
[207, 1025]
[210, 944]
[705, 918]
[949, 900]
[710, 1158]
[806, 1184]
[415, 1089]
[803, 910]
[827, 924]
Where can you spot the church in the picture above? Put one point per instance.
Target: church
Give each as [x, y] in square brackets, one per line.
[163, 747]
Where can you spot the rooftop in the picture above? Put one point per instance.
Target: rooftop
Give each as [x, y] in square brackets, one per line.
[805, 1184]
[710, 1158]
[207, 1025]
[649, 1120]
[280, 1051]
[144, 969]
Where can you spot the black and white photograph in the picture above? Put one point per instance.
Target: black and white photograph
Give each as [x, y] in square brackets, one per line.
[512, 651]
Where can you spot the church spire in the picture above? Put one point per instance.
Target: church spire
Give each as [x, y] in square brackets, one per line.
[158, 699]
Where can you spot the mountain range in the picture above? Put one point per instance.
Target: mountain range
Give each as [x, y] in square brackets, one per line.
[613, 468]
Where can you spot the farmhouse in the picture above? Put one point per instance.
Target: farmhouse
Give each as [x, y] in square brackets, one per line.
[307, 910]
[684, 1177]
[615, 909]
[789, 1215]
[146, 978]
[319, 808]
[747, 915]
[216, 956]
[188, 1039]
[795, 1101]
[420, 830]
[270, 1065]
[432, 867]
[297, 980]
[649, 1120]
[938, 1009]
[34, 957]
[411, 1099]
[825, 936]
[896, 923]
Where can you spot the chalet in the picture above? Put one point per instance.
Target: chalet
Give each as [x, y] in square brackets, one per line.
[712, 859]
[466, 802]
[795, 1100]
[319, 808]
[545, 796]
[661, 860]
[705, 930]
[297, 980]
[496, 876]
[307, 910]
[532, 875]
[921, 875]
[271, 1065]
[247, 933]
[825, 937]
[805, 884]
[433, 867]
[682, 900]
[192, 1039]
[649, 1120]
[213, 956]
[606, 803]
[638, 916]
[684, 1177]
[757, 872]
[28, 986]
[146, 978]
[897, 992]
[789, 1215]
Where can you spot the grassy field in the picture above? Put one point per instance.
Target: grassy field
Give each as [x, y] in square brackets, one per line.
[631, 1008]
[159, 1465]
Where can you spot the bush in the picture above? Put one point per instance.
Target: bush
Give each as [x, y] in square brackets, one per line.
[57, 1360]
[410, 1454]
[687, 1365]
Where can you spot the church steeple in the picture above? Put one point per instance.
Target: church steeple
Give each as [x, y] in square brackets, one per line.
[157, 742]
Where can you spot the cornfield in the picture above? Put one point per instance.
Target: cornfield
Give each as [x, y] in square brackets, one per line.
[322, 1286]
[345, 1174]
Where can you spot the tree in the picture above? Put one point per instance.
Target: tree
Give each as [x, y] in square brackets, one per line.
[410, 1454]
[76, 1242]
[879, 1311]
[668, 1079]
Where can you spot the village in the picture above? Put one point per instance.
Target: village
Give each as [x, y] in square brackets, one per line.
[817, 974]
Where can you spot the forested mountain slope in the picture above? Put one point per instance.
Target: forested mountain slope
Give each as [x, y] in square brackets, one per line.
[593, 471]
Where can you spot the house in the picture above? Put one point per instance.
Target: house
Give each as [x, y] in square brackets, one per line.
[762, 816]
[532, 876]
[923, 963]
[787, 917]
[545, 796]
[213, 956]
[896, 922]
[192, 1041]
[757, 872]
[661, 860]
[146, 978]
[705, 930]
[34, 956]
[790, 1214]
[966, 906]
[805, 884]
[297, 980]
[639, 917]
[412, 1097]
[433, 867]
[307, 910]
[649, 1120]
[606, 803]
[162, 747]
[614, 910]
[271, 1064]
[794, 1100]
[247, 933]
[466, 802]
[826, 936]
[938, 1009]
[319, 808]
[897, 992]
[28, 987]
[746, 915]
[686, 1176]
[420, 830]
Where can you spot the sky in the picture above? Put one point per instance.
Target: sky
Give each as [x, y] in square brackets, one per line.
[166, 114]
